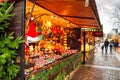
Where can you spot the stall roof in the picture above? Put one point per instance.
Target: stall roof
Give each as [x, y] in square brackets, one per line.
[74, 11]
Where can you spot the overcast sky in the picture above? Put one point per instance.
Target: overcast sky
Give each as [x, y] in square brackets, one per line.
[105, 8]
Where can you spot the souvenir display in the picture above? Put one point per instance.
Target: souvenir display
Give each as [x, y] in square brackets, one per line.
[45, 44]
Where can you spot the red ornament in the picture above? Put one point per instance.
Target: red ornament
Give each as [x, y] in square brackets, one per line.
[55, 30]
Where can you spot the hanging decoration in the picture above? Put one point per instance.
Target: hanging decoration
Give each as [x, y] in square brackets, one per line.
[32, 34]
[56, 30]
[86, 3]
[62, 31]
[39, 30]
[47, 26]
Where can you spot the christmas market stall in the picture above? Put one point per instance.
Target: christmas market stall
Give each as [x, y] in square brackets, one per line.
[51, 44]
[54, 36]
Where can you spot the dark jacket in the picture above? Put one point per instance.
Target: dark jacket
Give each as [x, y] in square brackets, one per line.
[106, 43]
[102, 47]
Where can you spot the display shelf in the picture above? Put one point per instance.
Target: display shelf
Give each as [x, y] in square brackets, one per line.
[33, 57]
[28, 66]
[55, 67]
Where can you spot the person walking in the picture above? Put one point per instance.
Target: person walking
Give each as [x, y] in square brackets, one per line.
[106, 43]
[116, 44]
[102, 47]
[111, 46]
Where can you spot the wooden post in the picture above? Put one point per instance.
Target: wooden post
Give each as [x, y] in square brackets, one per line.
[84, 34]
[31, 13]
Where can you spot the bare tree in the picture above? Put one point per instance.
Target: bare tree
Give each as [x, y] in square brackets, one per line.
[116, 30]
[116, 16]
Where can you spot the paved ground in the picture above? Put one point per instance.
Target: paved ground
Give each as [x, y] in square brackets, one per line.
[102, 66]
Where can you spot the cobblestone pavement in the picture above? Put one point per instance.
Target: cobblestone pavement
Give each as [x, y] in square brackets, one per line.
[102, 66]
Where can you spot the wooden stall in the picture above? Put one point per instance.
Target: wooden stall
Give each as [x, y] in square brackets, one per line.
[52, 34]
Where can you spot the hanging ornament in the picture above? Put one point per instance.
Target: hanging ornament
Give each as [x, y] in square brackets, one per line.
[55, 30]
[32, 34]
[48, 24]
[86, 3]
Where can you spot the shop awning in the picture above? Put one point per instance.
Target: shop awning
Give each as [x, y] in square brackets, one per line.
[74, 11]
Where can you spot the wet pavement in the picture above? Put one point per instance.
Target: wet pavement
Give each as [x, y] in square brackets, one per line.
[102, 66]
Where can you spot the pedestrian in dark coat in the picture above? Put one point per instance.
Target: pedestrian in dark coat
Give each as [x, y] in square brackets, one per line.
[111, 46]
[106, 43]
[102, 47]
[116, 44]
